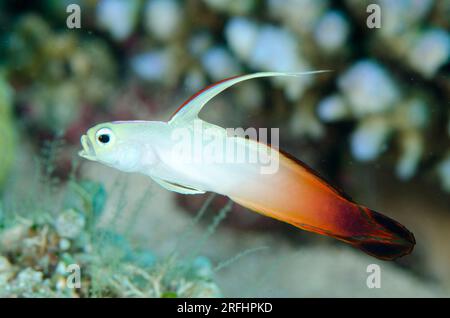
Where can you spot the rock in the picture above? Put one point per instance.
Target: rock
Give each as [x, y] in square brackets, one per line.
[368, 141]
[369, 88]
[69, 224]
[331, 31]
[241, 34]
[332, 108]
[118, 17]
[163, 18]
[429, 52]
[219, 63]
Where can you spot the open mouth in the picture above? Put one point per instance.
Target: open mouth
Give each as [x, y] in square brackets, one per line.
[88, 151]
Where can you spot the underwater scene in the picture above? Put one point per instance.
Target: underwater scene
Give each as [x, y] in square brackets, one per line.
[224, 148]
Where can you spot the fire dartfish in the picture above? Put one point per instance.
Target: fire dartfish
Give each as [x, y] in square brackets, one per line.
[293, 192]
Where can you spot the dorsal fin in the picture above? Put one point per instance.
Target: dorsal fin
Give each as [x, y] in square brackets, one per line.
[190, 108]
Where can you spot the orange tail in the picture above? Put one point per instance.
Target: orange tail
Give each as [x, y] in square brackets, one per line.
[388, 240]
[299, 196]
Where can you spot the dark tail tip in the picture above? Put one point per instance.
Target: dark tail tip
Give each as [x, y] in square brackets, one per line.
[389, 240]
[384, 250]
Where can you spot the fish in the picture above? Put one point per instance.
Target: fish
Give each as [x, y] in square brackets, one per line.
[176, 155]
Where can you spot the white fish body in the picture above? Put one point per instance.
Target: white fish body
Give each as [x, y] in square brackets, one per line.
[199, 171]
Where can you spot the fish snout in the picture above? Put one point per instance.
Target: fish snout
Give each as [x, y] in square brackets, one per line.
[88, 151]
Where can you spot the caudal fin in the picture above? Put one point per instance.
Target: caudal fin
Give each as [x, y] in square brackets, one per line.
[387, 241]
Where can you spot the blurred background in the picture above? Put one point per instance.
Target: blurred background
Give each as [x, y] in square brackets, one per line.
[377, 126]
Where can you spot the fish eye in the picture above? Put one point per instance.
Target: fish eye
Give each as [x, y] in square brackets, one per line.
[104, 136]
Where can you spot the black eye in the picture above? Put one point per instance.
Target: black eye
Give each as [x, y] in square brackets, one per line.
[104, 138]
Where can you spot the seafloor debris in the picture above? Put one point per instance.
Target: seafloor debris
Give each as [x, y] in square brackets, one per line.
[40, 256]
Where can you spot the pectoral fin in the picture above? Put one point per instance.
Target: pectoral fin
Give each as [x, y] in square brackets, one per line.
[175, 187]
